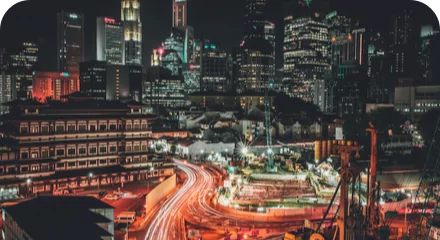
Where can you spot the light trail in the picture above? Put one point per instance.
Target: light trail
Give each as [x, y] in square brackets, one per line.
[190, 201]
[164, 224]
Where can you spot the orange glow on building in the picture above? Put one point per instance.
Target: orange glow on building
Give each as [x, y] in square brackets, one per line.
[170, 133]
[54, 85]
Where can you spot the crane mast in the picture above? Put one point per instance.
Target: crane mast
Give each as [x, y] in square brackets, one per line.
[426, 191]
[268, 127]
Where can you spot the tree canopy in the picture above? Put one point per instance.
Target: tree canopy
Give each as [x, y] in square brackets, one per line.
[427, 125]
[383, 119]
[286, 104]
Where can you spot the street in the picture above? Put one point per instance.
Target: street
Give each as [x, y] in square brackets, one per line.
[191, 202]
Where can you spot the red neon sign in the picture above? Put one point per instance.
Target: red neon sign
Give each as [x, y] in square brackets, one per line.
[109, 20]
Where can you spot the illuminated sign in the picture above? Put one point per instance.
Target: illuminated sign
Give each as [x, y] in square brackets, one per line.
[73, 16]
[109, 20]
[332, 14]
[64, 74]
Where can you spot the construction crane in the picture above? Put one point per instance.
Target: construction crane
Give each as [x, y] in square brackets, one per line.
[346, 178]
[372, 213]
[268, 126]
[426, 190]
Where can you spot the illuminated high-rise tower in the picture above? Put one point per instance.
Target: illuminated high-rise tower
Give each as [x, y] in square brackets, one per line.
[254, 19]
[256, 67]
[179, 14]
[70, 41]
[110, 45]
[130, 17]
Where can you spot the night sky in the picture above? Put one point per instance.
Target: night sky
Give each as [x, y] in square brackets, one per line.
[218, 20]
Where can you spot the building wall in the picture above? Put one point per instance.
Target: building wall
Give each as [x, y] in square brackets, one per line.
[11, 230]
[54, 147]
[8, 91]
[176, 134]
[201, 148]
[54, 85]
[118, 82]
[110, 44]
[130, 17]
[159, 193]
[414, 101]
[70, 52]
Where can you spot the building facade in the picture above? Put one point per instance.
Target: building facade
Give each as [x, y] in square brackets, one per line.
[305, 49]
[111, 82]
[70, 41]
[131, 19]
[403, 46]
[214, 69]
[110, 45]
[413, 101]
[8, 92]
[54, 85]
[78, 144]
[23, 65]
[162, 88]
[91, 216]
[180, 12]
[256, 69]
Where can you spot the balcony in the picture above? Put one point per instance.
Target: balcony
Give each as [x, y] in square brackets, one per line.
[17, 133]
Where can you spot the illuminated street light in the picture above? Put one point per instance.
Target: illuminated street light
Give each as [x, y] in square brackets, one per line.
[90, 174]
[269, 150]
[244, 151]
[28, 181]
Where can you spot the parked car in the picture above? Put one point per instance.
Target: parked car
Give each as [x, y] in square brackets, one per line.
[102, 194]
[112, 197]
[126, 217]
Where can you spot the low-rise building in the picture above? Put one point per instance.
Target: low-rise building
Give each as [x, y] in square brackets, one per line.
[413, 101]
[200, 148]
[48, 147]
[66, 218]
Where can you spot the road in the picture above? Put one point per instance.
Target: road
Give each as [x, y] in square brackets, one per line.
[191, 201]
[167, 223]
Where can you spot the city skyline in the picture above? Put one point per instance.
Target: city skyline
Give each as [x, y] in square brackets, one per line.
[156, 17]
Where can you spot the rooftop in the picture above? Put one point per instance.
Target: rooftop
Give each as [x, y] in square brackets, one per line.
[61, 218]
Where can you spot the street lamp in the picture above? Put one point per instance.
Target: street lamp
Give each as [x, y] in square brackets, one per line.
[244, 150]
[28, 182]
[269, 150]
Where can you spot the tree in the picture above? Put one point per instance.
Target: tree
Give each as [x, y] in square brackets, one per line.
[354, 127]
[284, 103]
[173, 149]
[385, 119]
[427, 126]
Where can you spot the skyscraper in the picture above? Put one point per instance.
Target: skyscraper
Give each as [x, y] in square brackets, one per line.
[214, 69]
[70, 41]
[254, 19]
[110, 45]
[269, 33]
[305, 50]
[179, 14]
[130, 17]
[22, 66]
[256, 68]
[403, 44]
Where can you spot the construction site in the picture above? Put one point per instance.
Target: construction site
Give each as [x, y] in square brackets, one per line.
[362, 202]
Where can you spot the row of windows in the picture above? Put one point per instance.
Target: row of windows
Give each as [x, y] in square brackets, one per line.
[80, 128]
[83, 151]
